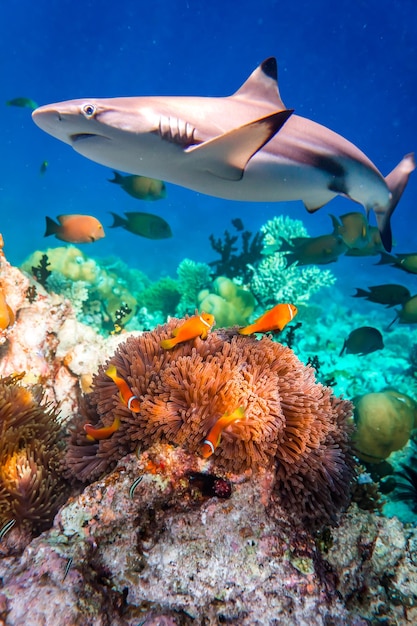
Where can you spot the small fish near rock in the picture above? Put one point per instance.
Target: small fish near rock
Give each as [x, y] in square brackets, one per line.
[75, 228]
[363, 340]
[140, 187]
[143, 224]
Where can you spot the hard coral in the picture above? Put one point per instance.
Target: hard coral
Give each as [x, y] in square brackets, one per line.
[384, 423]
[290, 421]
[229, 303]
[31, 483]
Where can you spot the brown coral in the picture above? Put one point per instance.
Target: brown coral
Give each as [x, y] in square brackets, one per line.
[290, 419]
[31, 484]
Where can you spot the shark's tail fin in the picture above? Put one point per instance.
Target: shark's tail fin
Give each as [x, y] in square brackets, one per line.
[396, 183]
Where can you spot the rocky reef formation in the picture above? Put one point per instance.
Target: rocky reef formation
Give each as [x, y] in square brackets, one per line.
[164, 537]
[164, 554]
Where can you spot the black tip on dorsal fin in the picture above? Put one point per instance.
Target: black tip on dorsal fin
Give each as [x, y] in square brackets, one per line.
[270, 68]
[262, 86]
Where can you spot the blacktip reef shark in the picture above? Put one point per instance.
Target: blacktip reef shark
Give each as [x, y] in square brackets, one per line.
[246, 146]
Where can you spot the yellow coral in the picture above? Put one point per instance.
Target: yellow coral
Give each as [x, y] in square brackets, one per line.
[69, 261]
[384, 423]
[229, 303]
[74, 265]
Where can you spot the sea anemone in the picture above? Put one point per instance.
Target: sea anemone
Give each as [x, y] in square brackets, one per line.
[290, 420]
[31, 483]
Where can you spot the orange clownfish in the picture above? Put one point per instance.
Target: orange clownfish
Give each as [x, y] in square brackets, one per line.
[94, 434]
[125, 392]
[274, 319]
[6, 314]
[214, 436]
[195, 326]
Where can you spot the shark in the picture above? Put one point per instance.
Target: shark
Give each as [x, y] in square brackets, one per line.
[246, 146]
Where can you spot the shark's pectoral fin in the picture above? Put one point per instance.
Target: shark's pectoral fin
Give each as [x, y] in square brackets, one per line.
[226, 156]
[318, 199]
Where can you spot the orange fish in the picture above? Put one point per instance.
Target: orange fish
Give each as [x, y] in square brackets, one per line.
[6, 314]
[75, 228]
[125, 392]
[196, 326]
[214, 436]
[274, 319]
[94, 434]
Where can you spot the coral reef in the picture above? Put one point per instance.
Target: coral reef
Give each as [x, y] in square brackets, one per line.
[163, 295]
[48, 342]
[230, 303]
[272, 281]
[237, 265]
[192, 278]
[31, 483]
[290, 420]
[95, 292]
[384, 422]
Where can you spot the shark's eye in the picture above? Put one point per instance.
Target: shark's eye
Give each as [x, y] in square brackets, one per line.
[89, 110]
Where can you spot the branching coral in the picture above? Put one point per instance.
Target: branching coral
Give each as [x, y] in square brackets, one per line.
[31, 483]
[272, 281]
[234, 263]
[290, 420]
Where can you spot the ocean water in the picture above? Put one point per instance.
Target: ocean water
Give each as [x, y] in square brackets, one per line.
[350, 66]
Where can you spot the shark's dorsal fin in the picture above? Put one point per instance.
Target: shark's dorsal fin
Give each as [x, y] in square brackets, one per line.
[226, 156]
[262, 85]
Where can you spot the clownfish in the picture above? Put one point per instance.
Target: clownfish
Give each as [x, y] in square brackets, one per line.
[125, 392]
[196, 326]
[94, 434]
[274, 319]
[214, 436]
[6, 314]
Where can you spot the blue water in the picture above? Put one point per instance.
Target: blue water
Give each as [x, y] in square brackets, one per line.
[348, 65]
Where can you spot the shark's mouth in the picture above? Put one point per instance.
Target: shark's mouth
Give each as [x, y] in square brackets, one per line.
[82, 136]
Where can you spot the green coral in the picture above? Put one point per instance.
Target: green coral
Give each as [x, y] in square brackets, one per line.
[164, 295]
[192, 278]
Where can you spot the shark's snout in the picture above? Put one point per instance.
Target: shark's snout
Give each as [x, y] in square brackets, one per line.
[50, 120]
